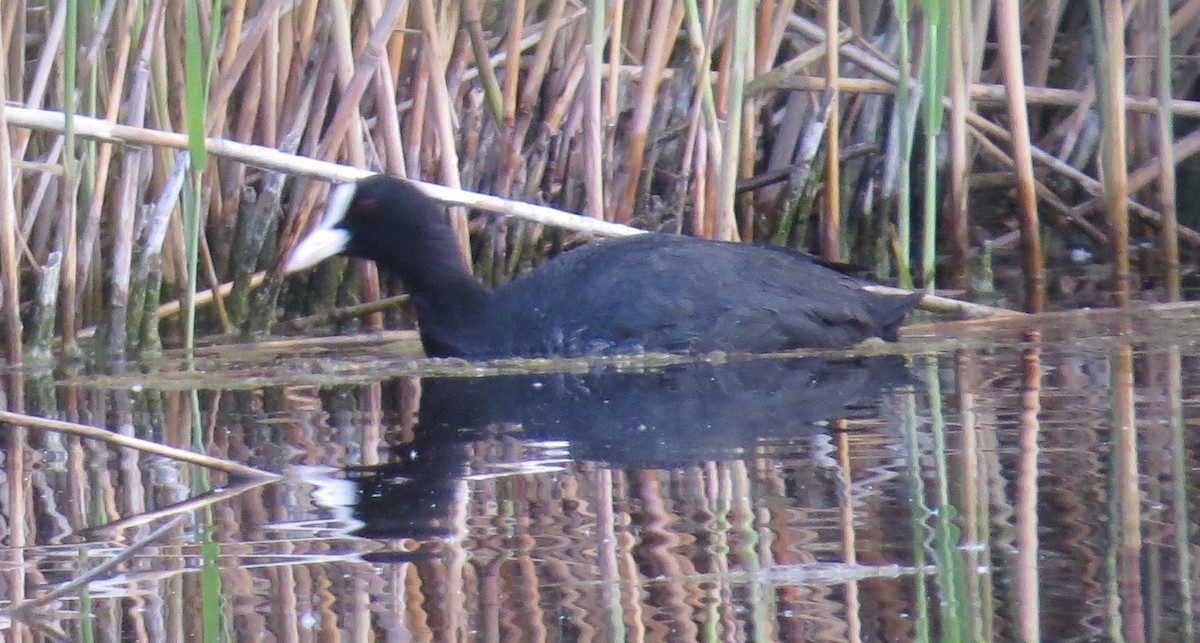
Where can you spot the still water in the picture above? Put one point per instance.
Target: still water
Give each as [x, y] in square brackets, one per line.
[981, 481]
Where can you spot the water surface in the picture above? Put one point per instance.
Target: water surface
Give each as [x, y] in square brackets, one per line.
[986, 481]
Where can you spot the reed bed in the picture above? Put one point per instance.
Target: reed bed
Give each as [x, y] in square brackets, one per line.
[832, 127]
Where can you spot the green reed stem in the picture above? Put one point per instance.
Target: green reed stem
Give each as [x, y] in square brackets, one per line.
[935, 57]
[904, 193]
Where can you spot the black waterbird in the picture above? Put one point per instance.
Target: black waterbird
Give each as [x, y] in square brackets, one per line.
[651, 292]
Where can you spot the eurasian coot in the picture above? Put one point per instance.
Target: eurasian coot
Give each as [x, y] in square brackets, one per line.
[651, 292]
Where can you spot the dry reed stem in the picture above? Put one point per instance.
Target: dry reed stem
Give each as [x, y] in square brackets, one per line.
[10, 301]
[990, 94]
[244, 47]
[1038, 54]
[593, 122]
[191, 505]
[92, 223]
[1008, 29]
[983, 94]
[1088, 183]
[495, 97]
[121, 440]
[512, 66]
[274, 159]
[614, 62]
[443, 109]
[955, 212]
[41, 76]
[772, 30]
[206, 296]
[1045, 193]
[339, 315]
[666, 19]
[128, 188]
[346, 128]
[1169, 235]
[737, 51]
[79, 584]
[1115, 164]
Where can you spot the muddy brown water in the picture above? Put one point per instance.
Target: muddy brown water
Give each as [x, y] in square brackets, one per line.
[980, 481]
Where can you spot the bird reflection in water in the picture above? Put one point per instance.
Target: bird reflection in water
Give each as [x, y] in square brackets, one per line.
[660, 418]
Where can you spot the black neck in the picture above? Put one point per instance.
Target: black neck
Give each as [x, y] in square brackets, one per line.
[450, 310]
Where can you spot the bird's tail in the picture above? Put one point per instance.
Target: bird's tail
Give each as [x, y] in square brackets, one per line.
[889, 311]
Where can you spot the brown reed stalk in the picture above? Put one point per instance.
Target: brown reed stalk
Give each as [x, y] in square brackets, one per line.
[955, 213]
[703, 31]
[495, 97]
[736, 53]
[1139, 81]
[121, 440]
[982, 94]
[593, 121]
[443, 109]
[91, 231]
[387, 132]
[512, 65]
[65, 241]
[40, 81]
[1114, 155]
[121, 334]
[771, 31]
[1008, 29]
[666, 19]
[346, 123]
[613, 88]
[1166, 154]
[539, 65]
[10, 302]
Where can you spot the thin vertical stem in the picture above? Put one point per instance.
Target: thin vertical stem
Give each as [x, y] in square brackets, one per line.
[903, 118]
[613, 94]
[10, 303]
[743, 34]
[831, 218]
[512, 64]
[933, 65]
[500, 109]
[665, 20]
[955, 214]
[1009, 36]
[1026, 501]
[1166, 154]
[68, 202]
[444, 120]
[1115, 165]
[593, 124]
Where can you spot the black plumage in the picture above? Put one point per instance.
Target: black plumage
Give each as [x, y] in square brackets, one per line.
[652, 292]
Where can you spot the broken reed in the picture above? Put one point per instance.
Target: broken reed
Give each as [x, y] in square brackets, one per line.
[707, 118]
